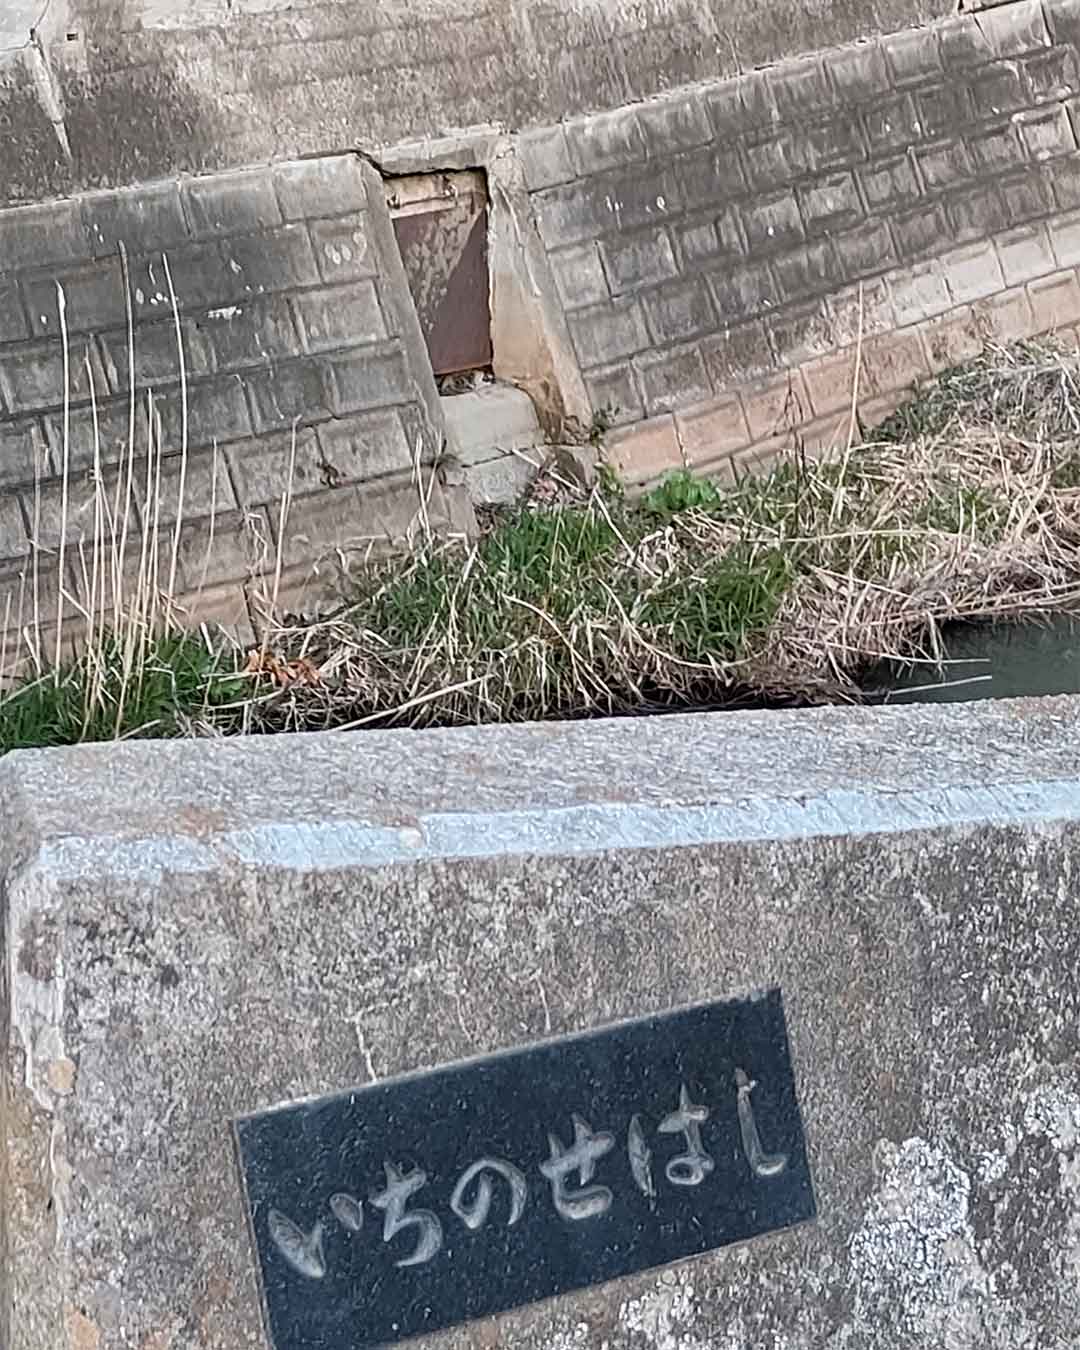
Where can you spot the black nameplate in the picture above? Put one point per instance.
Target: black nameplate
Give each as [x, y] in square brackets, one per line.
[416, 1203]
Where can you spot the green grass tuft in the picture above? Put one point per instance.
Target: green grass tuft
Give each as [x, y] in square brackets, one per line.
[681, 491]
[712, 613]
[181, 682]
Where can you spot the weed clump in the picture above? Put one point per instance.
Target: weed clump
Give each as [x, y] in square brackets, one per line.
[787, 587]
[184, 683]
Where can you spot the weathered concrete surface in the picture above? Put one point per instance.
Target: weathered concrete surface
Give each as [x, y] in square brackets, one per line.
[193, 931]
[728, 256]
[495, 442]
[160, 86]
[17, 18]
[292, 315]
[490, 421]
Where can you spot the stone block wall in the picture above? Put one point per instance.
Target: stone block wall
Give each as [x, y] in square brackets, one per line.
[285, 292]
[737, 267]
[714, 250]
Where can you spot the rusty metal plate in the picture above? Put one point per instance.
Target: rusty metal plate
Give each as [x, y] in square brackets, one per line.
[441, 225]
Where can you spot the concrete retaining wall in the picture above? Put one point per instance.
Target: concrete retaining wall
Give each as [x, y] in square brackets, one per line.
[126, 93]
[193, 931]
[737, 266]
[713, 249]
[292, 309]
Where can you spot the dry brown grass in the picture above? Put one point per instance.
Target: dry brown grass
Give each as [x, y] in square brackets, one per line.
[117, 653]
[792, 587]
[991, 537]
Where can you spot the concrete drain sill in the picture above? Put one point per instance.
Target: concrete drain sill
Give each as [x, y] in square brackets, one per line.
[494, 436]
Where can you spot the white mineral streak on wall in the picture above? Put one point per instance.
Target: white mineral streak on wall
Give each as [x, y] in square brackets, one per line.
[914, 1259]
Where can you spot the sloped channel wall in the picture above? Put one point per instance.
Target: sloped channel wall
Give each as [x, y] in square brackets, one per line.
[719, 252]
[274, 341]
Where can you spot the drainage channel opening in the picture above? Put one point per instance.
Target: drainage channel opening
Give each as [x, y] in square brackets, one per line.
[441, 223]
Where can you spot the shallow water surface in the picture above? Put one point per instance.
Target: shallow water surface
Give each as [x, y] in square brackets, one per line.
[991, 661]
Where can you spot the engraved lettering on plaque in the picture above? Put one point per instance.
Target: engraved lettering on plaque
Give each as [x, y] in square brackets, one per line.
[587, 1201]
[485, 1204]
[763, 1164]
[303, 1251]
[640, 1155]
[692, 1167]
[393, 1199]
[475, 1215]
[348, 1211]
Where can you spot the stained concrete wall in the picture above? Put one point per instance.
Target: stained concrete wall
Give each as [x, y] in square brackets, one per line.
[192, 931]
[291, 310]
[124, 91]
[717, 251]
[739, 265]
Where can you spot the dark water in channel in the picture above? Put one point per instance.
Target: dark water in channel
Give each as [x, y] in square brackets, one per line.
[990, 661]
[983, 661]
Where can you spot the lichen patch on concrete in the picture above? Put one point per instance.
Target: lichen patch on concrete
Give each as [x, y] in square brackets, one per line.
[665, 1316]
[914, 1262]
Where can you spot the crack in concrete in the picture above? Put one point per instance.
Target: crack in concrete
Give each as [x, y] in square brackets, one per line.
[48, 91]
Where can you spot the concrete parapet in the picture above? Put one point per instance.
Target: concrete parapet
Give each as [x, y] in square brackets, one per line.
[196, 931]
